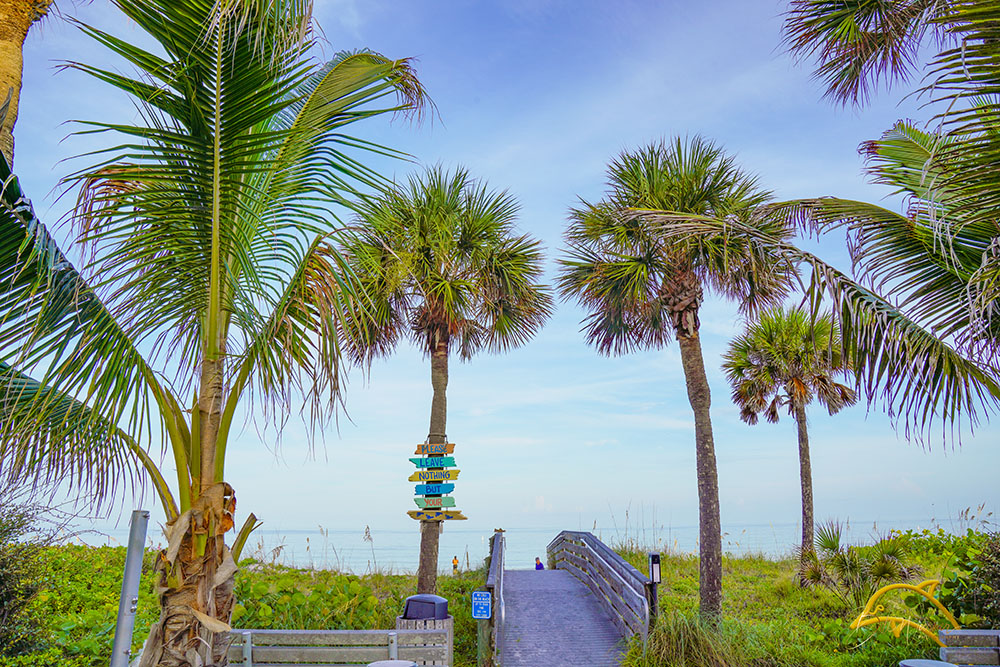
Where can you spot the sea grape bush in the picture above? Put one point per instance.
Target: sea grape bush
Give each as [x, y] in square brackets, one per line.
[275, 596]
[970, 580]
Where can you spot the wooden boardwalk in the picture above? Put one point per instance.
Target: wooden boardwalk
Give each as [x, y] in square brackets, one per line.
[552, 620]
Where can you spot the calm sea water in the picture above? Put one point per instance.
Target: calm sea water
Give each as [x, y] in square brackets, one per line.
[396, 550]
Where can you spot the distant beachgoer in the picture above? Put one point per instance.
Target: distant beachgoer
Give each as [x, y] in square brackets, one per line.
[454, 565]
[538, 564]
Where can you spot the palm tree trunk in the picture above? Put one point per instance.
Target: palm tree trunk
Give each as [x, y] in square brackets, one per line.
[16, 16]
[196, 573]
[709, 526]
[430, 531]
[195, 589]
[805, 475]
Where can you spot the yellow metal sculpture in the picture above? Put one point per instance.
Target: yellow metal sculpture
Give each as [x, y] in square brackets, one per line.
[871, 613]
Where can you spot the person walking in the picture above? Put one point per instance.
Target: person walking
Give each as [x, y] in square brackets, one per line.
[538, 564]
[454, 565]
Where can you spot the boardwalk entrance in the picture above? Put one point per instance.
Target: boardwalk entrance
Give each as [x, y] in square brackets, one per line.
[552, 619]
[579, 611]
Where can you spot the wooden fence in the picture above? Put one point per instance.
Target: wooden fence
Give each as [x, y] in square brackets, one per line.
[335, 648]
[622, 589]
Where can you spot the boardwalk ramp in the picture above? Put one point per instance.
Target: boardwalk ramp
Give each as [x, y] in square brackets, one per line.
[580, 611]
[551, 619]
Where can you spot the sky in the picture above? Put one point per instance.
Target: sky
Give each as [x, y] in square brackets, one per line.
[536, 96]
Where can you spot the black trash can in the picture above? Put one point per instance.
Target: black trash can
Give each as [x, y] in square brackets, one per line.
[430, 612]
[425, 607]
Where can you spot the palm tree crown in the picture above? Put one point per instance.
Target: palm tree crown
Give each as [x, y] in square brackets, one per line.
[441, 262]
[786, 358]
[642, 286]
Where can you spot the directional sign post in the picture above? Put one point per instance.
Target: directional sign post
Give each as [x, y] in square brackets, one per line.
[482, 605]
[435, 471]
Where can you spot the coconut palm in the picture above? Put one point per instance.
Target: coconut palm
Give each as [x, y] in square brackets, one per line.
[786, 359]
[209, 270]
[940, 249]
[861, 44]
[642, 287]
[442, 263]
[16, 18]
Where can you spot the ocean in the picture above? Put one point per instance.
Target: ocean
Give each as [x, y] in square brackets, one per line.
[395, 551]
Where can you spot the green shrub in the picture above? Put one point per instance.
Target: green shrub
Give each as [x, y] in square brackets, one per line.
[21, 626]
[855, 573]
[970, 578]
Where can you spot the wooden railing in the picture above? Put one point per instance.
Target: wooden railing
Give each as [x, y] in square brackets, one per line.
[623, 590]
[491, 629]
[338, 647]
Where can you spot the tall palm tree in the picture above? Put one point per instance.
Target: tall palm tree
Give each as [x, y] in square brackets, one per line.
[209, 269]
[642, 287]
[16, 18]
[442, 263]
[786, 358]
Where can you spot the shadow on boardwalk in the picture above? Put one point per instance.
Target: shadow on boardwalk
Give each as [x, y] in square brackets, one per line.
[553, 620]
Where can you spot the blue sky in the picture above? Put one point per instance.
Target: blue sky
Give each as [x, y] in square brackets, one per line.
[536, 96]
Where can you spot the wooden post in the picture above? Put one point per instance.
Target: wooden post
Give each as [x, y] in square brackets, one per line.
[653, 597]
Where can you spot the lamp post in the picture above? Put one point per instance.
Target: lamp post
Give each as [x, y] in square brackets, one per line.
[651, 588]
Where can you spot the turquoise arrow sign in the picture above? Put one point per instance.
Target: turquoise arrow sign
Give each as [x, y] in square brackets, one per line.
[422, 489]
[434, 461]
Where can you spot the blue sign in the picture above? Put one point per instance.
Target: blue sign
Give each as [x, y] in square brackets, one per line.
[482, 604]
[432, 489]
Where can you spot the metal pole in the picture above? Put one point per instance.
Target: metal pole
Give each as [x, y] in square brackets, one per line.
[130, 589]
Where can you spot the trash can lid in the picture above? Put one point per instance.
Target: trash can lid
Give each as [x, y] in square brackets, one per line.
[427, 597]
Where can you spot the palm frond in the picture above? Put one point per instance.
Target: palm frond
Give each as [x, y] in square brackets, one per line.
[919, 379]
[53, 321]
[861, 44]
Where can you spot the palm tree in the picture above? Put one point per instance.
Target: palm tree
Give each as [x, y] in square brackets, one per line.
[786, 358]
[642, 287]
[209, 269]
[16, 17]
[443, 264]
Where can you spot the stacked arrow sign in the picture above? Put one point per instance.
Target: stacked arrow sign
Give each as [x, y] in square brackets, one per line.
[435, 471]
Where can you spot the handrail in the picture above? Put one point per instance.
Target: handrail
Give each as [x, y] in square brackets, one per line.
[621, 588]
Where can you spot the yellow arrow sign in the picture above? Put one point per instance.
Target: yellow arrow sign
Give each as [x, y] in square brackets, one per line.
[434, 475]
[437, 515]
[435, 450]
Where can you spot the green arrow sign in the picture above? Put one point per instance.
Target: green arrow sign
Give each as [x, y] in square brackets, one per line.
[434, 462]
[434, 503]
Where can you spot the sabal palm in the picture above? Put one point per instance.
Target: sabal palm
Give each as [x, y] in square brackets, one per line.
[642, 288]
[786, 359]
[441, 262]
[210, 269]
